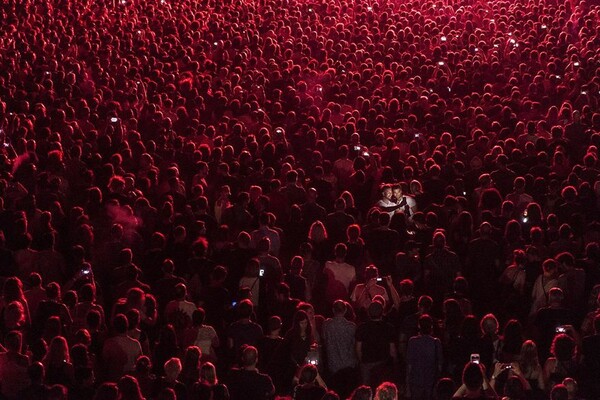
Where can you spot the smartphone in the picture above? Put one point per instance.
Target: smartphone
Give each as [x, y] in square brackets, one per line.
[509, 366]
[233, 303]
[379, 279]
[560, 329]
[114, 120]
[356, 148]
[261, 272]
[366, 154]
[475, 358]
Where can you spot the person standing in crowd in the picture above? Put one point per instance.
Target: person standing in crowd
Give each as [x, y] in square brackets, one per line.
[407, 204]
[120, 352]
[246, 382]
[339, 345]
[375, 345]
[340, 275]
[424, 361]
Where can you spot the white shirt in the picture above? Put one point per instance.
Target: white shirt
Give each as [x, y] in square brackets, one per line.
[363, 294]
[341, 272]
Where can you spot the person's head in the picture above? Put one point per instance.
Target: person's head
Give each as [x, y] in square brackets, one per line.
[120, 324]
[529, 354]
[296, 265]
[371, 272]
[249, 356]
[172, 369]
[472, 376]
[362, 393]
[489, 325]
[555, 297]
[13, 341]
[308, 374]
[198, 316]
[282, 291]
[375, 310]
[107, 391]
[563, 347]
[301, 323]
[180, 291]
[57, 392]
[13, 290]
[340, 251]
[339, 308]
[244, 309]
[424, 304]
[386, 391]
[439, 240]
[397, 191]
[406, 288]
[513, 388]
[572, 387]
[559, 392]
[208, 373]
[143, 365]
[386, 192]
[35, 280]
[191, 358]
[58, 351]
[36, 372]
[129, 388]
[460, 285]
[425, 324]
[565, 260]
[444, 389]
[353, 232]
[550, 267]
[274, 325]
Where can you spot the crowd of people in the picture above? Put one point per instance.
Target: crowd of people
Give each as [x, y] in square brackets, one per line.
[319, 199]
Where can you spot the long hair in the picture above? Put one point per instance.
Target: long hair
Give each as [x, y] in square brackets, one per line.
[529, 359]
[295, 330]
[58, 352]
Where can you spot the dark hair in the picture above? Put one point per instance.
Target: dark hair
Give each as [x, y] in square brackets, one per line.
[198, 316]
[362, 393]
[244, 309]
[472, 376]
[563, 347]
[425, 324]
[308, 374]
[107, 391]
[120, 323]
